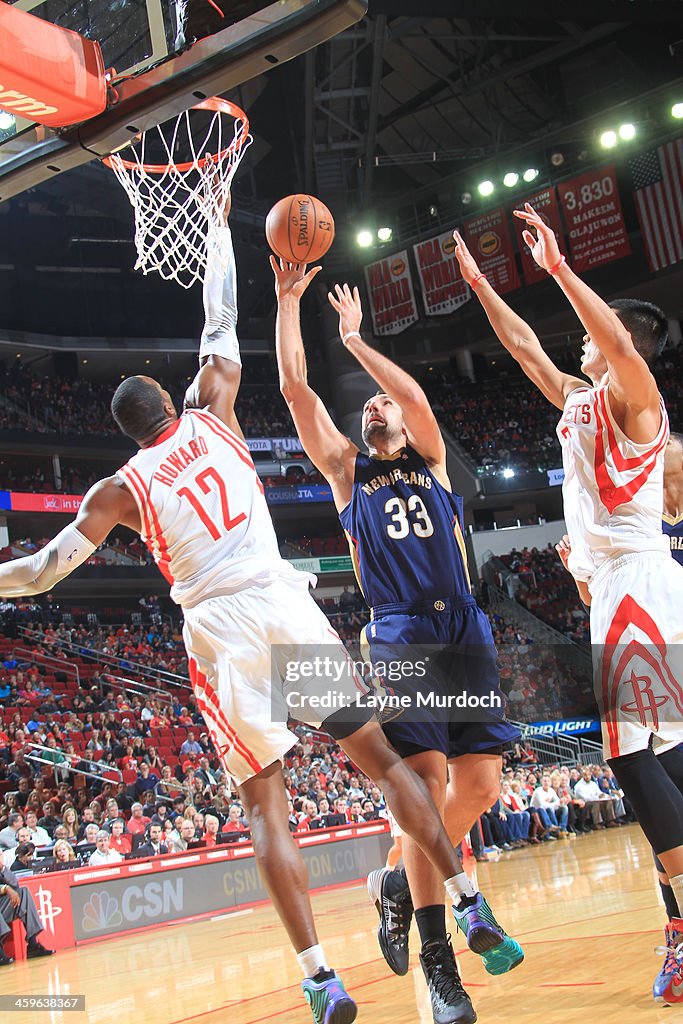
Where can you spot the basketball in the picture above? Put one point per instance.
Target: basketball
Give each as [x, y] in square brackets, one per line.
[300, 229]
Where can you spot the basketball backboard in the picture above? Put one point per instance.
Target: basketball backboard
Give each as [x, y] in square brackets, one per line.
[162, 63]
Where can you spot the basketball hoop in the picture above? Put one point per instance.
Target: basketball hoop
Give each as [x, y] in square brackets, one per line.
[179, 203]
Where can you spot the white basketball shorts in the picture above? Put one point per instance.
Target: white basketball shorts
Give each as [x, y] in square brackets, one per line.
[637, 640]
[241, 651]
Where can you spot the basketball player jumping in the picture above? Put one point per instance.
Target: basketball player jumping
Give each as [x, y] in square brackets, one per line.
[404, 524]
[613, 436]
[671, 974]
[193, 495]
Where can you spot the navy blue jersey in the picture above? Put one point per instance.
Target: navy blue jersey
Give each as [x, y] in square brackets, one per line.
[405, 531]
[673, 529]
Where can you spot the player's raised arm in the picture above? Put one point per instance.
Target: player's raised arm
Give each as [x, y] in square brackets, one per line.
[217, 382]
[106, 504]
[630, 379]
[328, 449]
[420, 422]
[515, 334]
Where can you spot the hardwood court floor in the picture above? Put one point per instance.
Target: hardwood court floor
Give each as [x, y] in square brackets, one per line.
[587, 912]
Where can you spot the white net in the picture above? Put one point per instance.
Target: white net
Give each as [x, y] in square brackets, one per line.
[179, 198]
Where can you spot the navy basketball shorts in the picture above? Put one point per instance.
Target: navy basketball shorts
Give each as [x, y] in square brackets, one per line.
[438, 658]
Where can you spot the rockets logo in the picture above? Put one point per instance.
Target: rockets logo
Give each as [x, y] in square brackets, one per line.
[638, 685]
[47, 911]
[645, 702]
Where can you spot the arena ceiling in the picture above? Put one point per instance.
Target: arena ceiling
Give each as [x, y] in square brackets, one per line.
[398, 117]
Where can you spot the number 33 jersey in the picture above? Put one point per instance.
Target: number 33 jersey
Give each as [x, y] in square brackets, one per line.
[202, 510]
[405, 531]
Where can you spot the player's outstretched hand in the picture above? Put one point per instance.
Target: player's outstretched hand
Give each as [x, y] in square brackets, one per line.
[221, 191]
[564, 550]
[347, 304]
[543, 244]
[468, 264]
[291, 279]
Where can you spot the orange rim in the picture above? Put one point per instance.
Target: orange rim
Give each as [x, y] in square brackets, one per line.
[215, 103]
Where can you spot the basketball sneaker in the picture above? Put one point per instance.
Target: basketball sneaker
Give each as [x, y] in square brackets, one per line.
[450, 1002]
[673, 938]
[329, 1000]
[485, 936]
[390, 893]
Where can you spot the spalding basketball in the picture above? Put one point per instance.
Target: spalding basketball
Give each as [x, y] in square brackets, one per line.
[300, 229]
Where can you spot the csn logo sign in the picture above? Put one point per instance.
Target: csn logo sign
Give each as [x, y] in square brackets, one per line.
[137, 905]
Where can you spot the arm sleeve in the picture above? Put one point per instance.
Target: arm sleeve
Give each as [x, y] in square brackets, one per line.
[219, 337]
[42, 570]
[9, 878]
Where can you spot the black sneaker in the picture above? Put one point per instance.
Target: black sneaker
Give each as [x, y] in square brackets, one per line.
[36, 948]
[390, 893]
[450, 1002]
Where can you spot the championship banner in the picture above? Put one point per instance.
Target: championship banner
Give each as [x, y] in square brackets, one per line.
[488, 238]
[594, 219]
[442, 285]
[546, 206]
[392, 300]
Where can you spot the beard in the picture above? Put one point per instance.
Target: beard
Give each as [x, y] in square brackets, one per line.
[373, 433]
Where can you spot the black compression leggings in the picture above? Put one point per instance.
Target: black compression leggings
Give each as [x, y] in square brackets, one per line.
[654, 785]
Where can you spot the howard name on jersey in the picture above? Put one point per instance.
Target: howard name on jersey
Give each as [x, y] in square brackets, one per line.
[203, 511]
[404, 530]
[613, 488]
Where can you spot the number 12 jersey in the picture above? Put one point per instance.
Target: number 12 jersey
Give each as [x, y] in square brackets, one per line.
[203, 511]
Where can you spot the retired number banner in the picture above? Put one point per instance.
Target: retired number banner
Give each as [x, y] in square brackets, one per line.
[442, 285]
[595, 222]
[545, 205]
[488, 239]
[392, 300]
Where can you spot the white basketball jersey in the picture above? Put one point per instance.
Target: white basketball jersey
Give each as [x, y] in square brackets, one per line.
[613, 488]
[203, 511]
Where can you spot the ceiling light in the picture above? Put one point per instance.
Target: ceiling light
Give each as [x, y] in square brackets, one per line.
[485, 188]
[511, 179]
[530, 174]
[384, 234]
[466, 198]
[7, 120]
[557, 159]
[608, 140]
[364, 238]
[433, 211]
[627, 132]
[677, 110]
